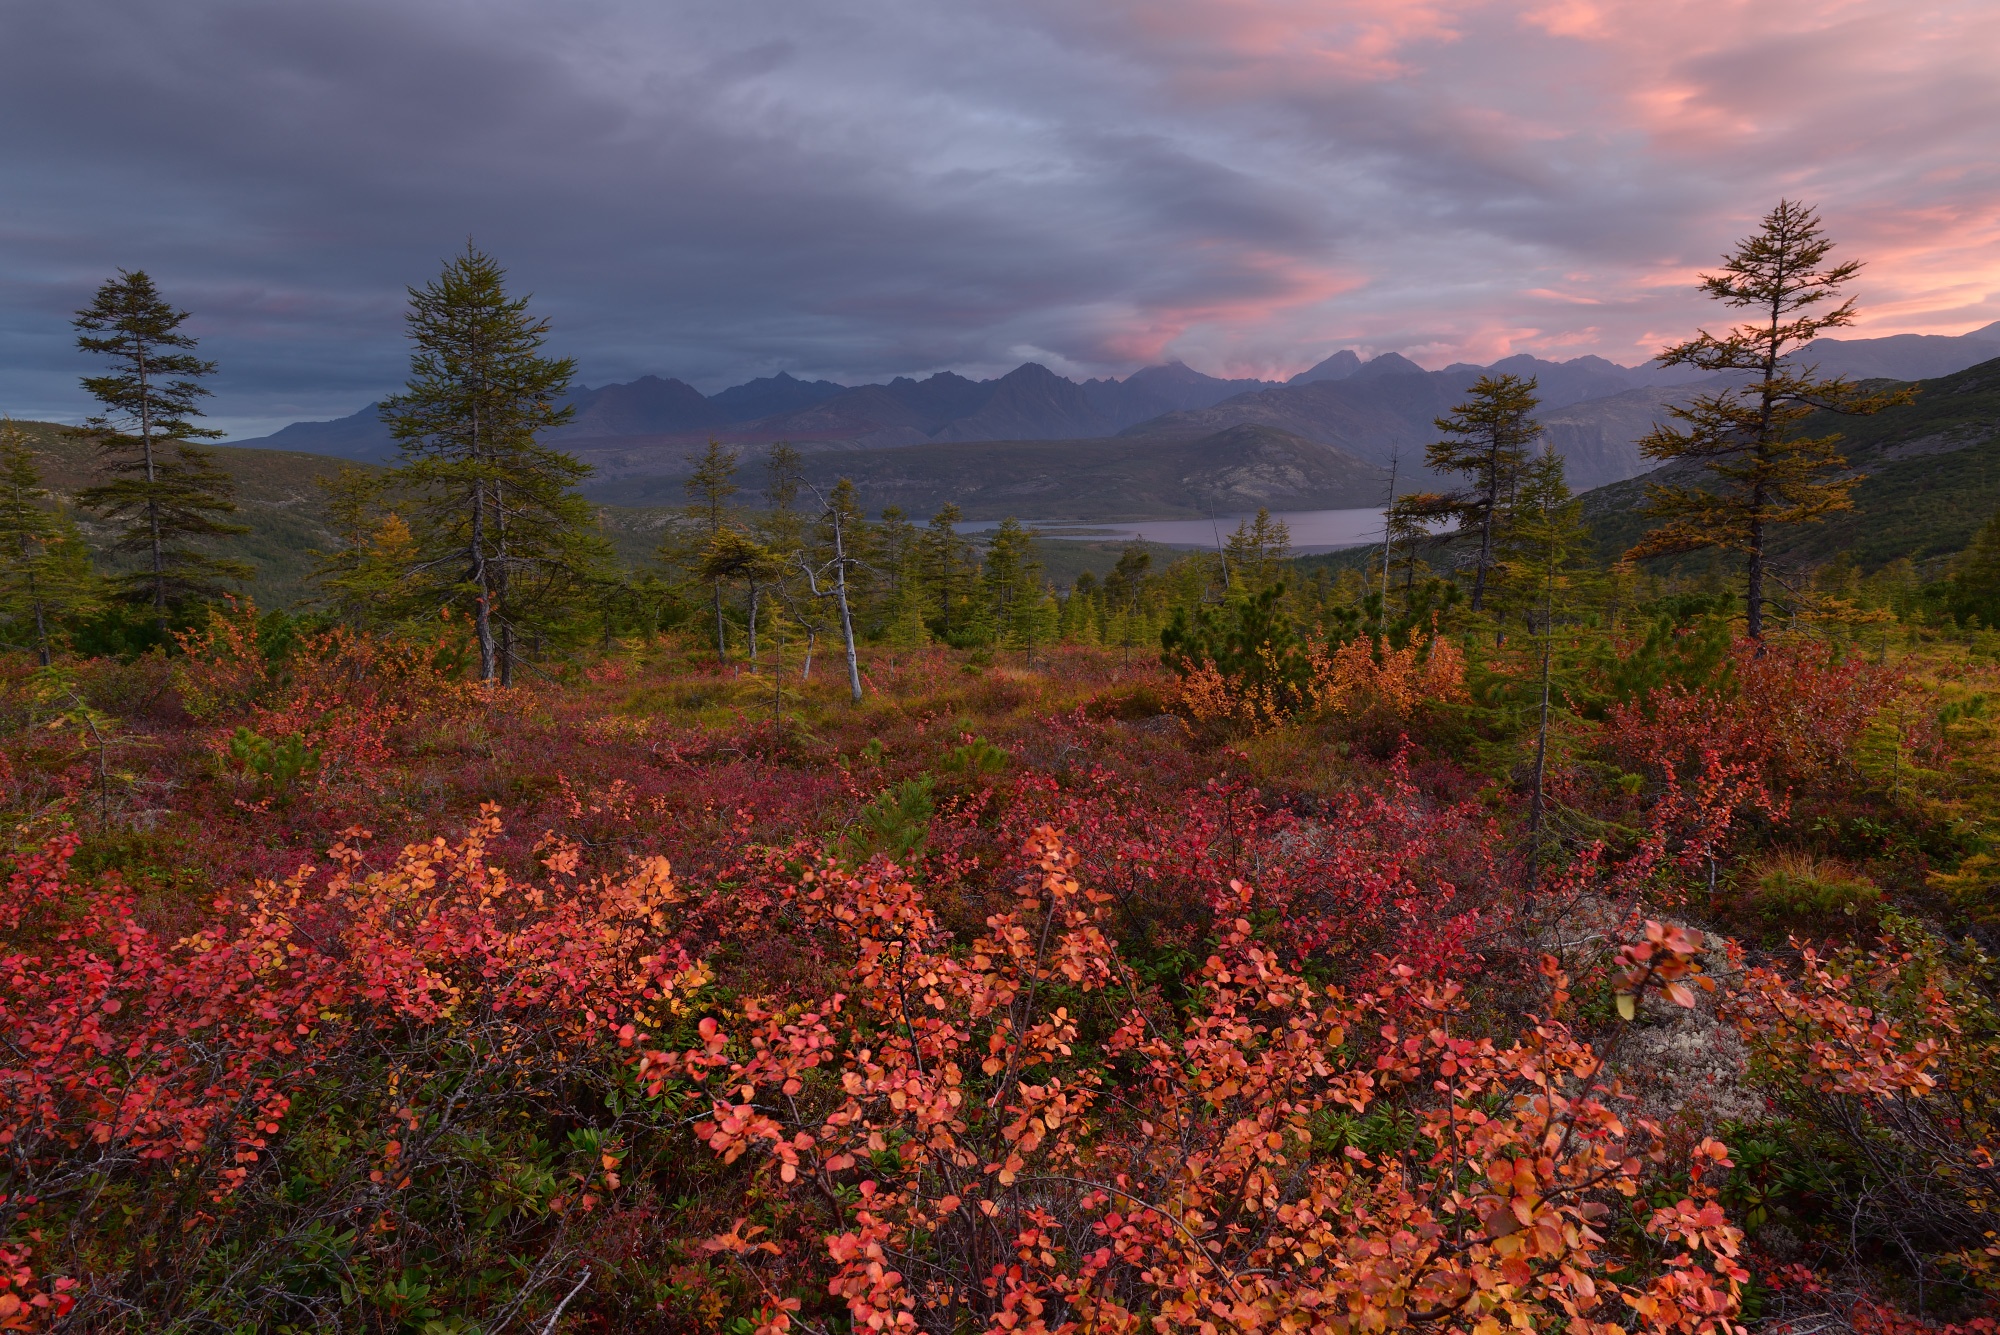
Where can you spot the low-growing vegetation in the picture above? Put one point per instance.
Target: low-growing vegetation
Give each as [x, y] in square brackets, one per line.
[835, 929]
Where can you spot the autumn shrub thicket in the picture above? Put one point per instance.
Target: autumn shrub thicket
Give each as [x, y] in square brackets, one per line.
[340, 994]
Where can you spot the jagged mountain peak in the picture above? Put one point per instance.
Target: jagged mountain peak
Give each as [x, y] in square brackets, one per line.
[1339, 366]
[1389, 363]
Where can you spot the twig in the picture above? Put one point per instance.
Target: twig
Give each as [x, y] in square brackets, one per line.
[555, 1316]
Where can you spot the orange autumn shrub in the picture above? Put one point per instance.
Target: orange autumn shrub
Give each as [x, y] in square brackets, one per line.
[1885, 1059]
[1347, 679]
[1015, 1135]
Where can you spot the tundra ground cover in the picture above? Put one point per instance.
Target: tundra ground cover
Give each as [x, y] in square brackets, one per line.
[342, 994]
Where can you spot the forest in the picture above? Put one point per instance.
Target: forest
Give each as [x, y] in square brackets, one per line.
[828, 925]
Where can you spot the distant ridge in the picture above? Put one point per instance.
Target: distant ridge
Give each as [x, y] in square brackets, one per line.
[1903, 356]
[1028, 403]
[1372, 409]
[1103, 478]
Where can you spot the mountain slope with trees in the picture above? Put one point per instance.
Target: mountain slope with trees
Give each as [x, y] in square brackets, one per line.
[1930, 477]
[1230, 472]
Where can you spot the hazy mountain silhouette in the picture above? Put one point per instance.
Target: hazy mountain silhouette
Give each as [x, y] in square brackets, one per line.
[1101, 478]
[1386, 408]
[1337, 367]
[1903, 356]
[646, 406]
[1594, 409]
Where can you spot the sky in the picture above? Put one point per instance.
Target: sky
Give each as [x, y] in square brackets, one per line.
[858, 189]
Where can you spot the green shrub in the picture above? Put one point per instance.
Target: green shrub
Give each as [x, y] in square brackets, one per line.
[896, 825]
[1797, 888]
[975, 757]
[277, 764]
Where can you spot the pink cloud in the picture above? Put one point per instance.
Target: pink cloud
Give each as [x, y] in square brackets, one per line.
[1876, 111]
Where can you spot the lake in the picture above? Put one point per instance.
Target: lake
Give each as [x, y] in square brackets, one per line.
[1312, 530]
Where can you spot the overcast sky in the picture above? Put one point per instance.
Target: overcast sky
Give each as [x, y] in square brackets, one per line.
[863, 188]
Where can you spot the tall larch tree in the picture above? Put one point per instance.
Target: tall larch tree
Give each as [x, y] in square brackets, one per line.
[710, 483]
[45, 571]
[1546, 554]
[1763, 473]
[948, 568]
[1257, 551]
[1486, 441]
[165, 492]
[1014, 592]
[497, 522]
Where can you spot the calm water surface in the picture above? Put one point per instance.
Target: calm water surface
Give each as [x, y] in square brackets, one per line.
[1312, 530]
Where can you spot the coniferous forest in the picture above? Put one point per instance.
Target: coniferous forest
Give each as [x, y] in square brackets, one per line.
[827, 924]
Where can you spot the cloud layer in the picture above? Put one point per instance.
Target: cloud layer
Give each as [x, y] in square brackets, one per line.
[863, 188]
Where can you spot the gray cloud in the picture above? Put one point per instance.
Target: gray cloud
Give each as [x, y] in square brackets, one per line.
[861, 188]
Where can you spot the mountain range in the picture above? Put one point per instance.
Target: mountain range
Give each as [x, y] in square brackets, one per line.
[1370, 412]
[1029, 403]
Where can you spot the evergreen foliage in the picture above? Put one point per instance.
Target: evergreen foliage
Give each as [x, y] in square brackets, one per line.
[945, 558]
[1763, 474]
[1974, 592]
[708, 514]
[1248, 639]
[497, 524]
[365, 581]
[45, 573]
[1486, 439]
[1015, 602]
[1257, 551]
[165, 492]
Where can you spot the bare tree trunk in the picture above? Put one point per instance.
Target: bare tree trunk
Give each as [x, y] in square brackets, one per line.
[152, 501]
[1535, 805]
[846, 618]
[1754, 613]
[1486, 537]
[482, 612]
[1388, 521]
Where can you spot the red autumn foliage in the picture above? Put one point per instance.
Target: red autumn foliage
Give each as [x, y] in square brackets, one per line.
[1016, 1134]
[1136, 1041]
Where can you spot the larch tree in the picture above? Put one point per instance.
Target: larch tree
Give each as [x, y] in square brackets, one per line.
[709, 485]
[1125, 593]
[1413, 519]
[166, 491]
[45, 571]
[781, 528]
[946, 560]
[1013, 587]
[1257, 551]
[1546, 554]
[733, 556]
[1486, 441]
[1972, 596]
[496, 519]
[1762, 472]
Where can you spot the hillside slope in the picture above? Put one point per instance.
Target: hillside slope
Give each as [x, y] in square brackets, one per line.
[1226, 472]
[1386, 408]
[1931, 477]
[277, 492]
